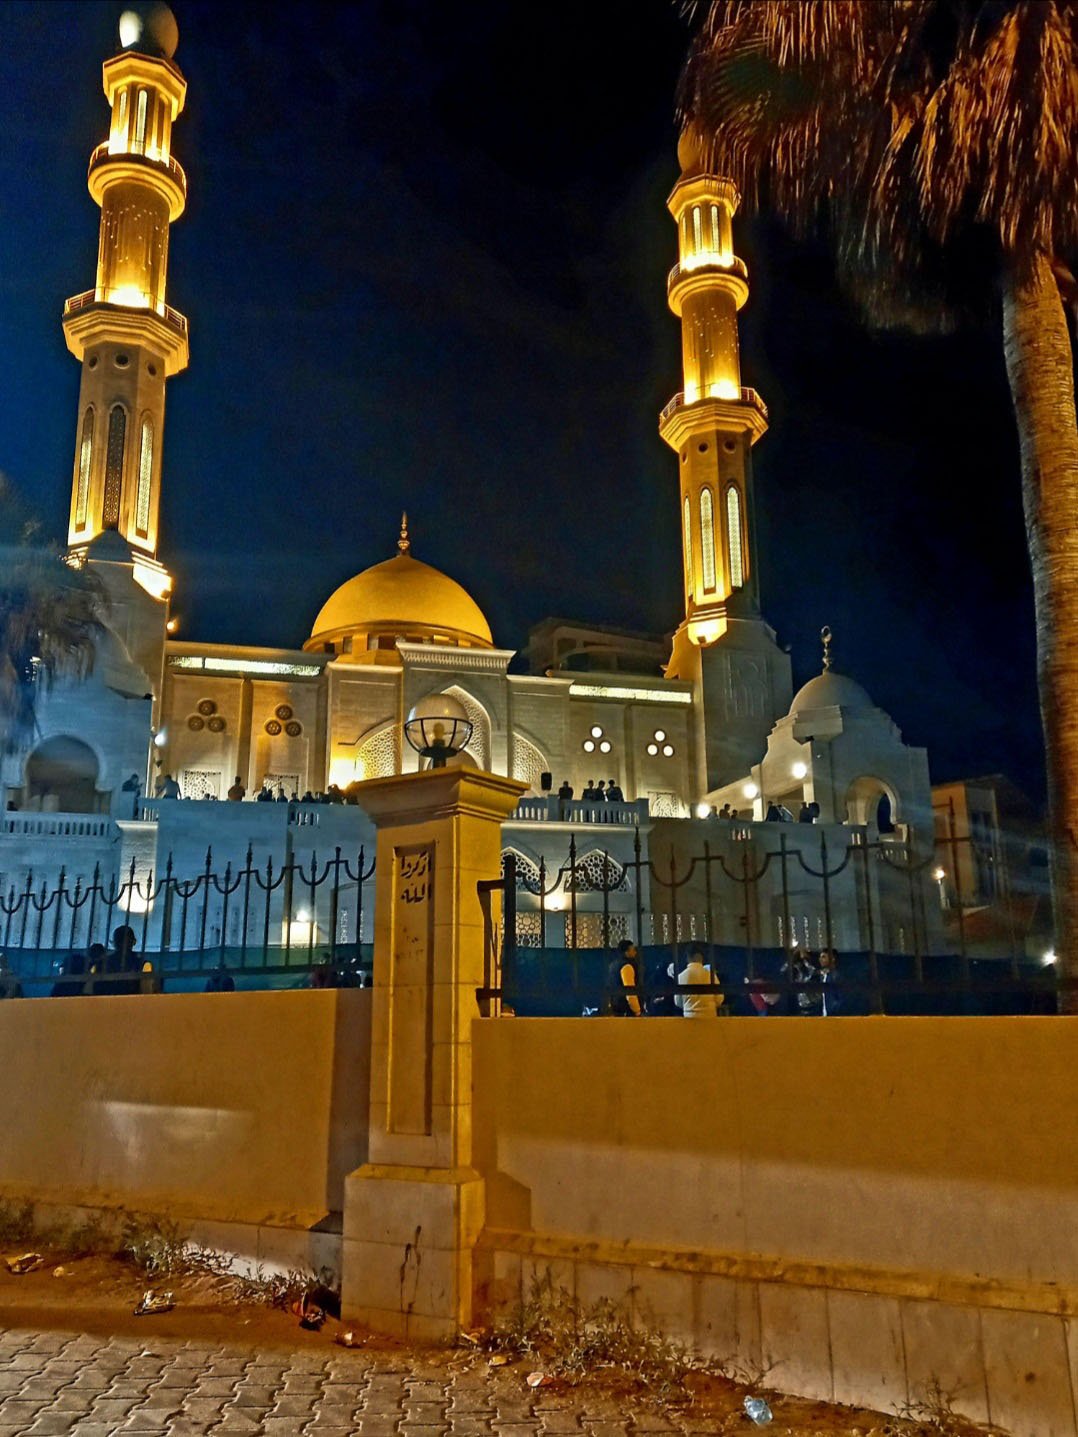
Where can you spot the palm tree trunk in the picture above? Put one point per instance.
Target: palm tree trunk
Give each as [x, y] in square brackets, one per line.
[1040, 367]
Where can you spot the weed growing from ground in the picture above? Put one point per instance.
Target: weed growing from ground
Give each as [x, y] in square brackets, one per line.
[572, 1340]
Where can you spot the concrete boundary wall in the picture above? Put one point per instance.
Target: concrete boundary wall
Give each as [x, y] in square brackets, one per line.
[236, 1114]
[861, 1207]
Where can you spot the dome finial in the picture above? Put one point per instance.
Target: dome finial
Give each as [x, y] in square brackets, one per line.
[826, 636]
[404, 544]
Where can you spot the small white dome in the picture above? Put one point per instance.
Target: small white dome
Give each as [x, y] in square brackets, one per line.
[831, 690]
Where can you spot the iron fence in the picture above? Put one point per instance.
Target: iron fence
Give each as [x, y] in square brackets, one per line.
[745, 897]
[254, 919]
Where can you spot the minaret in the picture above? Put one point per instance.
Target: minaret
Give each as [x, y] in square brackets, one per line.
[722, 644]
[127, 338]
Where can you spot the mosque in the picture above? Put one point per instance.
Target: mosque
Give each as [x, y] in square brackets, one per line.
[680, 728]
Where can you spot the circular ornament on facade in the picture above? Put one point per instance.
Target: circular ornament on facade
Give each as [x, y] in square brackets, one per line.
[653, 749]
[589, 745]
[273, 727]
[668, 750]
[196, 724]
[151, 370]
[206, 707]
[216, 724]
[92, 362]
[122, 361]
[293, 729]
[283, 711]
[729, 445]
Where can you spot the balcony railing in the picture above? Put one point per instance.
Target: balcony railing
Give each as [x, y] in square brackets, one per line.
[138, 152]
[171, 316]
[710, 266]
[56, 825]
[748, 396]
[551, 809]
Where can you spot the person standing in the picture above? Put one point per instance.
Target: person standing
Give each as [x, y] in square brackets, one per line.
[706, 1002]
[237, 793]
[625, 982]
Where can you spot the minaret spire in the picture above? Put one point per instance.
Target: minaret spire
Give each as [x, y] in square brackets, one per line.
[713, 423]
[404, 544]
[722, 646]
[127, 337]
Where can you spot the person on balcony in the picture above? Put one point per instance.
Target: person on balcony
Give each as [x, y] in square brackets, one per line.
[614, 793]
[237, 793]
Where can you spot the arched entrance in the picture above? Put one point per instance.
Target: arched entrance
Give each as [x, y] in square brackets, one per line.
[61, 777]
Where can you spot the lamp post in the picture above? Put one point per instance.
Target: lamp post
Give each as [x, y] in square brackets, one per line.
[438, 728]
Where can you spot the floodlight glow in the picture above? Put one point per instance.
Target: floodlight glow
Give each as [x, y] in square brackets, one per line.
[750, 790]
[800, 769]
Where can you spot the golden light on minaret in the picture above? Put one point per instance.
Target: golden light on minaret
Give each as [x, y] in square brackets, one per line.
[714, 421]
[128, 339]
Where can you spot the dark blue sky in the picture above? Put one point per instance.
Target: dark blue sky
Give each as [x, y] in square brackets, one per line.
[424, 263]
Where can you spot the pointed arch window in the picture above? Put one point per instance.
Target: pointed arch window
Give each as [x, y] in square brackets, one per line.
[145, 475]
[715, 228]
[114, 466]
[707, 540]
[735, 547]
[121, 118]
[697, 240]
[140, 118]
[688, 547]
[86, 454]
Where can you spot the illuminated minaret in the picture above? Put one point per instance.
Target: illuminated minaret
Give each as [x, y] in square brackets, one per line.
[723, 645]
[127, 338]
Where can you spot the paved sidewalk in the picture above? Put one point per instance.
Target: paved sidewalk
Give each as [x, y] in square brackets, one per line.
[58, 1382]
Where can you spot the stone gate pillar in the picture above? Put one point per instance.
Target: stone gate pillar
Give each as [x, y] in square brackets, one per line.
[413, 1212]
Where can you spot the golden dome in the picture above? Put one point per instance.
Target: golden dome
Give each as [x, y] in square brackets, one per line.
[400, 598]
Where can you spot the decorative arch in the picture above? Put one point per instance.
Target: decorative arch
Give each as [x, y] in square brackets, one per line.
[871, 800]
[61, 776]
[479, 743]
[529, 761]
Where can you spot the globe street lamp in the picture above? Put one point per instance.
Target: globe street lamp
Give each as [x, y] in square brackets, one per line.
[438, 728]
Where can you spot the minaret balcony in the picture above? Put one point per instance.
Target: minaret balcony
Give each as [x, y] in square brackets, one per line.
[107, 165]
[740, 410]
[707, 271]
[90, 320]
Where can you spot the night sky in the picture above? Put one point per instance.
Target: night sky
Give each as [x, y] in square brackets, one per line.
[424, 263]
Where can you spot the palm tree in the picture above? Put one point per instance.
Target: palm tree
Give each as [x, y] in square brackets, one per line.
[937, 141]
[49, 619]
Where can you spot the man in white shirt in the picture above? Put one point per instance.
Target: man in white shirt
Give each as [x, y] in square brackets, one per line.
[705, 1003]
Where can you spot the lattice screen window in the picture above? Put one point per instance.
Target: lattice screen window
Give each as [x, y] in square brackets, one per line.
[528, 763]
[528, 930]
[200, 783]
[114, 466]
[145, 475]
[527, 873]
[86, 450]
[707, 540]
[378, 756]
[596, 872]
[479, 743]
[663, 804]
[733, 529]
[589, 929]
